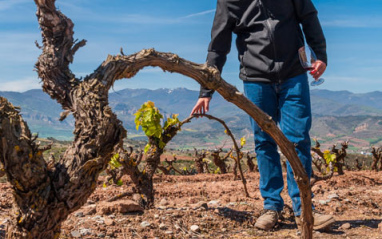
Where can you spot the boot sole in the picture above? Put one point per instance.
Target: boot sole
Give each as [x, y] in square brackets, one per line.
[264, 227]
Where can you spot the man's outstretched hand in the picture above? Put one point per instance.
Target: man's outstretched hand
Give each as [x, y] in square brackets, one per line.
[201, 106]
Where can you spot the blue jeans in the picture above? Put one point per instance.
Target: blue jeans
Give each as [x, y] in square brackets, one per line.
[288, 104]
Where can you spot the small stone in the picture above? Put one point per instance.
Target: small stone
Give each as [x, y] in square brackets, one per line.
[137, 197]
[376, 211]
[195, 228]
[177, 227]
[79, 214]
[121, 206]
[101, 235]
[100, 221]
[163, 202]
[89, 209]
[201, 204]
[109, 221]
[75, 234]
[162, 226]
[333, 196]
[322, 202]
[169, 232]
[345, 226]
[85, 232]
[145, 224]
[213, 203]
[156, 216]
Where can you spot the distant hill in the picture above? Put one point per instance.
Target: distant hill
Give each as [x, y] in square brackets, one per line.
[345, 103]
[338, 115]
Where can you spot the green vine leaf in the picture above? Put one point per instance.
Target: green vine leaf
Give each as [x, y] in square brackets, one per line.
[119, 182]
[114, 163]
[147, 147]
[171, 121]
[149, 118]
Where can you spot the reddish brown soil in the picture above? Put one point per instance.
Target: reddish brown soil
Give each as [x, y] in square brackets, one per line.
[357, 207]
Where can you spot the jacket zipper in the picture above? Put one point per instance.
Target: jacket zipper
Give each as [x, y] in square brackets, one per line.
[271, 38]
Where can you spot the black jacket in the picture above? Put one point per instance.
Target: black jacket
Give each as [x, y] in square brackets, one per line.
[268, 37]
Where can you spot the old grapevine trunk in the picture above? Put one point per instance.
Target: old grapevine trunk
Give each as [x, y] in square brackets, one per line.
[154, 153]
[45, 195]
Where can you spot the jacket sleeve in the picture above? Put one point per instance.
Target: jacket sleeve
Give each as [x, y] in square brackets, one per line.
[307, 16]
[220, 45]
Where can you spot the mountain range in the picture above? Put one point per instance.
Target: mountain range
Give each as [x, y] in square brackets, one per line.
[338, 116]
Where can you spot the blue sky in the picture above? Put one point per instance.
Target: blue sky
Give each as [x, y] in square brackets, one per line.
[353, 29]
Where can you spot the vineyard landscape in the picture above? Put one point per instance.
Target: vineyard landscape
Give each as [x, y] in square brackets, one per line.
[79, 160]
[204, 204]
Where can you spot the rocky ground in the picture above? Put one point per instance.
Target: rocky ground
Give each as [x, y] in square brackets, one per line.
[214, 206]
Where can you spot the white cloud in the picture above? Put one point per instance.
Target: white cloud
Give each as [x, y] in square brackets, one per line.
[354, 22]
[200, 13]
[143, 19]
[21, 85]
[146, 19]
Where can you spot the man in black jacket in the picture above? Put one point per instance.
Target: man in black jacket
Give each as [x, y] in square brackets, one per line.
[269, 35]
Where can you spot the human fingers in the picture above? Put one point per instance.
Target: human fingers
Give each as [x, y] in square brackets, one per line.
[198, 108]
[319, 69]
[206, 105]
[201, 106]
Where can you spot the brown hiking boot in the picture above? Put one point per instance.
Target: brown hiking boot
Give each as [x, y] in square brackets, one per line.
[320, 221]
[267, 220]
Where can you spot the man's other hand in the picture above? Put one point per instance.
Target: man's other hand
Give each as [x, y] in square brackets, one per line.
[319, 69]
